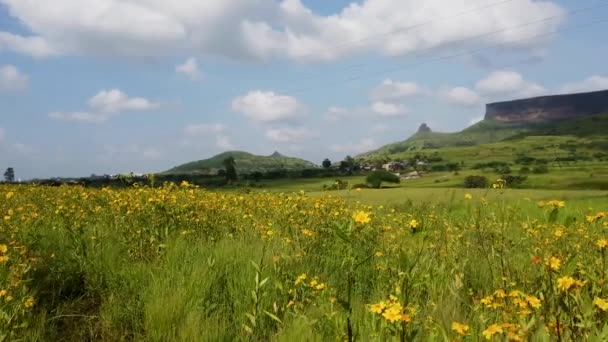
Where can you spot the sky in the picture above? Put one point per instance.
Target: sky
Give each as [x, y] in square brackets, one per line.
[112, 86]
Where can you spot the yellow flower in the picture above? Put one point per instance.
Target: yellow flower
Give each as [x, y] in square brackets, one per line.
[491, 331]
[393, 313]
[487, 300]
[565, 283]
[602, 304]
[468, 196]
[602, 244]
[413, 223]
[9, 195]
[533, 301]
[300, 278]
[29, 302]
[2, 293]
[3, 249]
[3, 259]
[554, 263]
[460, 329]
[362, 217]
[377, 308]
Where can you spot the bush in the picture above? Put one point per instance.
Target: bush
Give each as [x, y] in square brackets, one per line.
[525, 170]
[338, 184]
[514, 181]
[503, 169]
[471, 182]
[540, 169]
[376, 178]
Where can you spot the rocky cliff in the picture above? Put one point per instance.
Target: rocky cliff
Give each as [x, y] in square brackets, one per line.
[549, 108]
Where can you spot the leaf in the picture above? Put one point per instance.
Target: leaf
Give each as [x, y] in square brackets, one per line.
[251, 318]
[257, 268]
[264, 281]
[273, 317]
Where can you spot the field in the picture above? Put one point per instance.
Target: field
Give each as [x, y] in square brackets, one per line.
[179, 263]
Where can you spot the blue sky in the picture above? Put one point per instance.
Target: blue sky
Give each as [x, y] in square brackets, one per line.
[107, 86]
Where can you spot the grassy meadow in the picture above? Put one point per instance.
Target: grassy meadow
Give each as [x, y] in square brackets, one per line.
[179, 263]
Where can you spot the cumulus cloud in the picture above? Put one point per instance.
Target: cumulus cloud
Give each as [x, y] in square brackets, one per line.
[502, 83]
[592, 83]
[364, 145]
[104, 105]
[386, 109]
[11, 79]
[36, 47]
[290, 135]
[204, 130]
[267, 106]
[190, 69]
[393, 90]
[262, 29]
[462, 96]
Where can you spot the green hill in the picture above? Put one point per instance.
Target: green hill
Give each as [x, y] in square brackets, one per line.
[491, 131]
[245, 163]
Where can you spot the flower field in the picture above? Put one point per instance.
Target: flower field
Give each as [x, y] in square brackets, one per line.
[178, 263]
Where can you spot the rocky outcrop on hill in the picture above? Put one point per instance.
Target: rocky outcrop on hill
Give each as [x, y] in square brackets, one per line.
[549, 108]
[424, 128]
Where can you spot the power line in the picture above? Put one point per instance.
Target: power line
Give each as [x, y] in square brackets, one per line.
[466, 53]
[470, 39]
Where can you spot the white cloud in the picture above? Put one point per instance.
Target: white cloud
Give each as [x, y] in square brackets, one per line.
[37, 47]
[223, 142]
[392, 90]
[364, 145]
[290, 135]
[260, 29]
[189, 68]
[267, 107]
[104, 105]
[11, 79]
[462, 96]
[592, 83]
[389, 110]
[204, 129]
[24, 149]
[216, 130]
[502, 83]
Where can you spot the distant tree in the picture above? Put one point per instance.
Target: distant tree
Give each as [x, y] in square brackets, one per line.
[376, 178]
[326, 163]
[471, 182]
[9, 175]
[230, 167]
[347, 164]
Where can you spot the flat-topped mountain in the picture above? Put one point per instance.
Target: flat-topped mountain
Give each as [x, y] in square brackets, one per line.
[245, 163]
[549, 108]
[582, 114]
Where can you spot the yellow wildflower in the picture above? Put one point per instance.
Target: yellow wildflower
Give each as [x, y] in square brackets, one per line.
[9, 195]
[377, 308]
[533, 301]
[413, 223]
[491, 331]
[3, 259]
[602, 304]
[565, 283]
[2, 293]
[468, 196]
[362, 217]
[460, 328]
[602, 243]
[3, 249]
[300, 278]
[29, 302]
[554, 263]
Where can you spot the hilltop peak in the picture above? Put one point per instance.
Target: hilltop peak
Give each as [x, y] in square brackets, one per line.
[276, 154]
[424, 128]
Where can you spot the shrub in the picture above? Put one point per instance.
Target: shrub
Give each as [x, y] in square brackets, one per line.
[514, 181]
[338, 184]
[540, 169]
[471, 182]
[525, 170]
[505, 169]
[376, 178]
